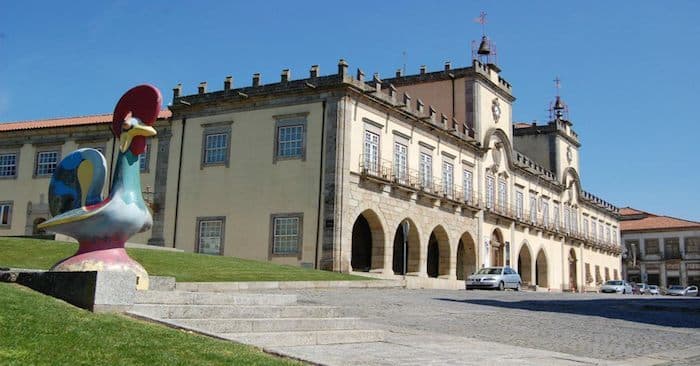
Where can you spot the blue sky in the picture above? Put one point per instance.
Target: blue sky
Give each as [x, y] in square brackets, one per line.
[628, 69]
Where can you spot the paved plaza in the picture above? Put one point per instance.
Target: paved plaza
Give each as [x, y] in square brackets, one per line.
[428, 327]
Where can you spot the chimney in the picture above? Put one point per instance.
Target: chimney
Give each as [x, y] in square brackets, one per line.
[177, 91]
[392, 93]
[313, 73]
[360, 75]
[285, 76]
[399, 73]
[342, 68]
[202, 87]
[432, 113]
[256, 79]
[228, 82]
[448, 65]
[422, 69]
[443, 120]
[419, 106]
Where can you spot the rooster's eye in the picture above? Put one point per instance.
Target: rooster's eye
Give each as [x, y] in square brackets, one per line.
[126, 125]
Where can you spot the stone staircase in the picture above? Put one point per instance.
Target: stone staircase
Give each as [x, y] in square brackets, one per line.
[263, 320]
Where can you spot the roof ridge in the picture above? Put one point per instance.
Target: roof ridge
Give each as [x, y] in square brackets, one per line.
[56, 118]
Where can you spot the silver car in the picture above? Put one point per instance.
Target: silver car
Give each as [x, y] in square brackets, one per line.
[494, 277]
[616, 286]
[676, 290]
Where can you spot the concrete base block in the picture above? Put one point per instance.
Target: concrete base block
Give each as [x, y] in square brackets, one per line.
[94, 291]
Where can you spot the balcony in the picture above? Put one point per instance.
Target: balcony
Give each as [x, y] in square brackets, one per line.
[500, 209]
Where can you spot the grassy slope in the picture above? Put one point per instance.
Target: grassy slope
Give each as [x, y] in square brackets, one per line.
[185, 267]
[39, 330]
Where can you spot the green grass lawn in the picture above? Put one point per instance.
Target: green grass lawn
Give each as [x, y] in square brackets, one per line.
[185, 267]
[40, 330]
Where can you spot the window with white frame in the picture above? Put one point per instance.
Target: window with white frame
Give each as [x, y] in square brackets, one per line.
[585, 227]
[46, 162]
[8, 165]
[401, 162]
[210, 233]
[557, 223]
[5, 214]
[594, 229]
[502, 194]
[468, 185]
[533, 207]
[490, 190]
[545, 213]
[290, 141]
[607, 235]
[519, 202]
[286, 234]
[574, 219]
[448, 179]
[371, 152]
[567, 217]
[425, 169]
[215, 148]
[600, 231]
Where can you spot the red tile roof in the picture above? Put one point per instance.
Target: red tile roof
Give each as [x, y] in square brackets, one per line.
[522, 125]
[66, 121]
[651, 222]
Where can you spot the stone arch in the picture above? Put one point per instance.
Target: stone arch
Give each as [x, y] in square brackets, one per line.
[367, 242]
[497, 247]
[573, 275]
[412, 249]
[542, 269]
[525, 264]
[503, 137]
[466, 256]
[438, 260]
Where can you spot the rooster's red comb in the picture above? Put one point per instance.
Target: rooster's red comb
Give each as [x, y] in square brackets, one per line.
[142, 101]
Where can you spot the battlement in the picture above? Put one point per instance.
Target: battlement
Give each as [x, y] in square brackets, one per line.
[531, 166]
[600, 202]
[381, 91]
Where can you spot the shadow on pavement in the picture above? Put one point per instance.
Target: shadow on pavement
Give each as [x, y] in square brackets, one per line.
[680, 313]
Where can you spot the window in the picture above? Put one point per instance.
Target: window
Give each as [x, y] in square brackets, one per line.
[651, 246]
[502, 194]
[672, 248]
[210, 235]
[448, 178]
[401, 163]
[371, 152]
[533, 207]
[692, 245]
[585, 227]
[574, 219]
[567, 217]
[215, 148]
[589, 276]
[290, 142]
[615, 277]
[594, 230]
[545, 213]
[598, 278]
[607, 235]
[519, 202]
[216, 144]
[490, 182]
[8, 165]
[46, 162]
[607, 274]
[556, 215]
[286, 234]
[144, 158]
[5, 214]
[426, 170]
[600, 232]
[468, 185]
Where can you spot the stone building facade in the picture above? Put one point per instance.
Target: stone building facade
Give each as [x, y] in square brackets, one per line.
[660, 250]
[424, 175]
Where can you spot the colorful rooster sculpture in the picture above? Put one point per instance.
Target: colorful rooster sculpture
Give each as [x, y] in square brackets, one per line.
[102, 227]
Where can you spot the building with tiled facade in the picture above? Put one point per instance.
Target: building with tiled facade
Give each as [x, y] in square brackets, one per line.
[660, 250]
[328, 172]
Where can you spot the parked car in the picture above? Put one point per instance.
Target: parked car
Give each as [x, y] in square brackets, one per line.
[494, 277]
[677, 290]
[635, 289]
[654, 290]
[616, 286]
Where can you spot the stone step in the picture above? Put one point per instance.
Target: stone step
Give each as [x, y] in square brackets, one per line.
[212, 298]
[288, 339]
[243, 325]
[175, 311]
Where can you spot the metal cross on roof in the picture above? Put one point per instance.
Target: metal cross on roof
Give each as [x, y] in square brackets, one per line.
[557, 84]
[482, 20]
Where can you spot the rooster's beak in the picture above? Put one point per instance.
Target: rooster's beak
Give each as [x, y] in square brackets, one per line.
[135, 130]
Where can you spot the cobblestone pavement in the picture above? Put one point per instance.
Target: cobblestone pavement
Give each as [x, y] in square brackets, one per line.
[595, 326]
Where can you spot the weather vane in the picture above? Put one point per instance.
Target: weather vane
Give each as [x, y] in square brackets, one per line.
[557, 84]
[482, 20]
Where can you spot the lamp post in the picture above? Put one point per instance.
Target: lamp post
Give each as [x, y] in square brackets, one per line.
[405, 226]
